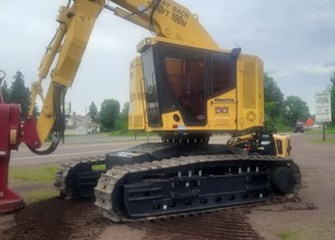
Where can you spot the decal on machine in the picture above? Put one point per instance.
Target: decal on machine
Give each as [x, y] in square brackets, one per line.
[221, 110]
[222, 100]
[178, 15]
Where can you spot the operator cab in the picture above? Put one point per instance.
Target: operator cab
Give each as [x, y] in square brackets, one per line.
[180, 78]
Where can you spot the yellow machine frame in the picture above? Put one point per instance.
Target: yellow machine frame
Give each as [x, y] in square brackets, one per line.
[239, 109]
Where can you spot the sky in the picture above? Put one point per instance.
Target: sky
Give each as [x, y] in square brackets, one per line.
[295, 39]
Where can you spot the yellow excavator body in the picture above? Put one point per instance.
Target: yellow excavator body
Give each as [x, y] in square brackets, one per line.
[183, 87]
[212, 92]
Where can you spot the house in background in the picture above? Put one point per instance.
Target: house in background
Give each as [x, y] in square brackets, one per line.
[80, 125]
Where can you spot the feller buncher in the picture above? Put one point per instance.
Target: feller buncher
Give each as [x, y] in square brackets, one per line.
[182, 87]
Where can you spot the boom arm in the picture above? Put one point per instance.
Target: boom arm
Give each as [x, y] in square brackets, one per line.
[75, 27]
[166, 19]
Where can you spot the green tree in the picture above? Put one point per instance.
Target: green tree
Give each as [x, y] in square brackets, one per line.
[295, 110]
[109, 114]
[122, 122]
[332, 96]
[5, 92]
[19, 93]
[273, 98]
[125, 111]
[93, 112]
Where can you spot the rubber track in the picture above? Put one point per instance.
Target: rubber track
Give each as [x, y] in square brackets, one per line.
[107, 181]
[63, 172]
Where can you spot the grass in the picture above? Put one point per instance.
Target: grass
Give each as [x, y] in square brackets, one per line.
[40, 174]
[321, 230]
[316, 135]
[320, 140]
[329, 130]
[290, 235]
[34, 183]
[33, 196]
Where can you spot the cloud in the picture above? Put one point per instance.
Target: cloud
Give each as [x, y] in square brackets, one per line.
[295, 39]
[301, 71]
[317, 70]
[330, 64]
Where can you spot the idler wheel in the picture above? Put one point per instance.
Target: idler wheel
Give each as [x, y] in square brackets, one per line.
[283, 180]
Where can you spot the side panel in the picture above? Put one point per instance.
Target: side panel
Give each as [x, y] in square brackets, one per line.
[283, 145]
[222, 111]
[137, 108]
[250, 92]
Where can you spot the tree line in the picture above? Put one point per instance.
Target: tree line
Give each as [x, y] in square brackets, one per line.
[288, 111]
[110, 117]
[280, 111]
[17, 93]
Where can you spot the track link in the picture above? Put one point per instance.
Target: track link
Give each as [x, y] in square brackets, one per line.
[65, 180]
[109, 183]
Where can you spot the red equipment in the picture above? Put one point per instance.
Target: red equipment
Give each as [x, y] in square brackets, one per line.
[9, 127]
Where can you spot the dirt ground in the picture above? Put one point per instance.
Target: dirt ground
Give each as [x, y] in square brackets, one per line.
[313, 215]
[310, 215]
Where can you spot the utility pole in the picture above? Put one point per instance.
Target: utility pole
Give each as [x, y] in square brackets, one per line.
[86, 120]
